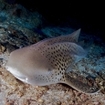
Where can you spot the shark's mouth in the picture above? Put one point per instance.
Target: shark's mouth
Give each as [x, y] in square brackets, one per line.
[22, 78]
[17, 74]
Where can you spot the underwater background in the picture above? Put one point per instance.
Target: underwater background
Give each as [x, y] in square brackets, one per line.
[23, 23]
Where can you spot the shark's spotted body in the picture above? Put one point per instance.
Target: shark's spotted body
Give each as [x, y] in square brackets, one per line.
[47, 62]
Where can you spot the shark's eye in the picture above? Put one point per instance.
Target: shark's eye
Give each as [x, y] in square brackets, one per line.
[49, 69]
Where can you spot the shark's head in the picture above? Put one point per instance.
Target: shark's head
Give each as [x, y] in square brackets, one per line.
[27, 65]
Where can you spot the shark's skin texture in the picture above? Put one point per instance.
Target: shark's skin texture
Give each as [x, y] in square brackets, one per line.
[47, 61]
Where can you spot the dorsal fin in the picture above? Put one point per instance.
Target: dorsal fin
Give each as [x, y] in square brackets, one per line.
[73, 37]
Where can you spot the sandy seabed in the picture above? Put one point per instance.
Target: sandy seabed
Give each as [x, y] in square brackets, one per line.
[15, 92]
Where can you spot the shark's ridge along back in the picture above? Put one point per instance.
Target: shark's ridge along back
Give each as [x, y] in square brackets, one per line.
[73, 37]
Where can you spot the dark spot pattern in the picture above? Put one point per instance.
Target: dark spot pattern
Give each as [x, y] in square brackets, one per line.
[59, 57]
[59, 54]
